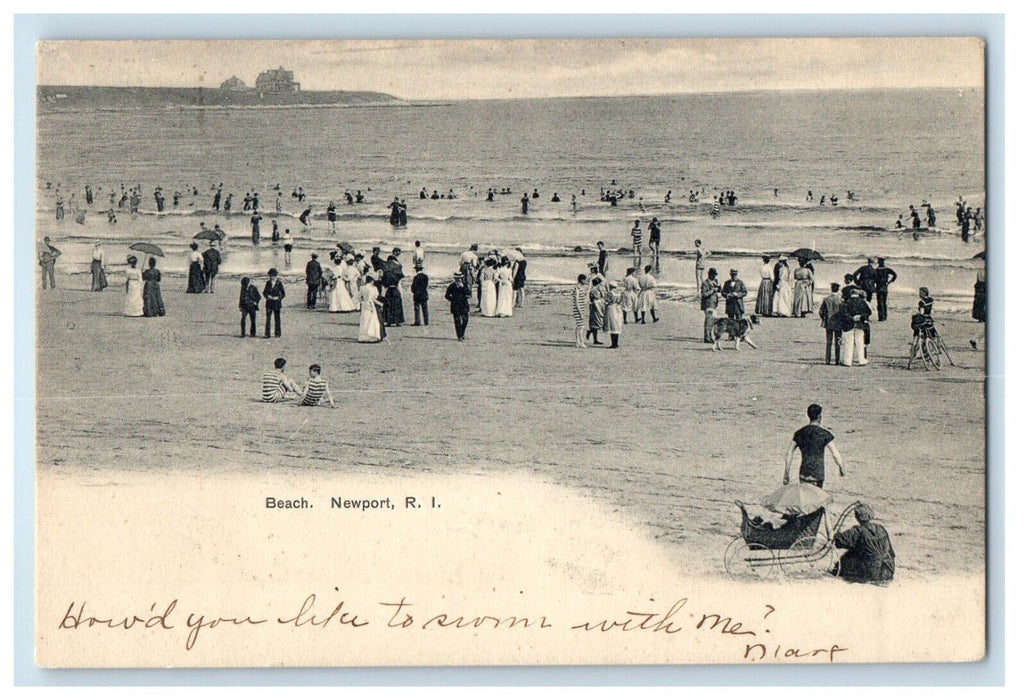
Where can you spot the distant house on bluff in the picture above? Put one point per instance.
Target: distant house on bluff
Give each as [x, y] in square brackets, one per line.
[233, 84]
[276, 80]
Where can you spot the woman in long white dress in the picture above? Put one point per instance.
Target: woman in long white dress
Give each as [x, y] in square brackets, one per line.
[352, 276]
[489, 295]
[783, 293]
[504, 300]
[370, 327]
[345, 299]
[133, 288]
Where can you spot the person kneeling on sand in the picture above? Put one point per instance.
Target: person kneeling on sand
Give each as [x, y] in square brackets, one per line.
[870, 555]
[275, 384]
[316, 389]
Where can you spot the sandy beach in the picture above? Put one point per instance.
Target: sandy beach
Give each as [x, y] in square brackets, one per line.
[663, 433]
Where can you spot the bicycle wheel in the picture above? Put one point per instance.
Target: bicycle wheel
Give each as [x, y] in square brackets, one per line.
[913, 352]
[931, 353]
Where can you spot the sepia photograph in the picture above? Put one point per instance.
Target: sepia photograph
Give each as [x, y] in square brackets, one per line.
[323, 369]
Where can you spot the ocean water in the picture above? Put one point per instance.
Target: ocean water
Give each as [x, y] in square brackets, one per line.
[892, 148]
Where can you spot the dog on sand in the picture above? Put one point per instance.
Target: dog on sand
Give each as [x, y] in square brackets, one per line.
[737, 329]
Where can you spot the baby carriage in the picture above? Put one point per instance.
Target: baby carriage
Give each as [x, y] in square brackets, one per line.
[802, 546]
[927, 345]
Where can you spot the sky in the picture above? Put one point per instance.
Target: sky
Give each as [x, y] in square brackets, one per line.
[478, 69]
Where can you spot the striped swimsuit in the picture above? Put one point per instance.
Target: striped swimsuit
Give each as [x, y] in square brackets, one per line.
[314, 391]
[272, 387]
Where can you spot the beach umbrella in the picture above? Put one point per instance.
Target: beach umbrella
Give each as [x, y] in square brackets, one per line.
[801, 497]
[982, 255]
[147, 248]
[806, 254]
[207, 236]
[347, 247]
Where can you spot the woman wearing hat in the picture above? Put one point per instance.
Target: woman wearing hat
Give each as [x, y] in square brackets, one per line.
[783, 297]
[153, 302]
[803, 281]
[133, 288]
[97, 269]
[370, 326]
[504, 297]
[197, 282]
[613, 322]
[486, 283]
[870, 555]
[764, 299]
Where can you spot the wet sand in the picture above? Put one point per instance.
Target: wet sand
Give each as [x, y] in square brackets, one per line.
[663, 433]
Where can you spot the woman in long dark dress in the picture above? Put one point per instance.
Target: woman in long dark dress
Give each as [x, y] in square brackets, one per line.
[197, 282]
[153, 303]
[980, 297]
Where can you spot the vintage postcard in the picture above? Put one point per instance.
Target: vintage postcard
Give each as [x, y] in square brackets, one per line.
[407, 353]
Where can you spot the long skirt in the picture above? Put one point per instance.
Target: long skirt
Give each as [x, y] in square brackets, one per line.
[596, 317]
[393, 311]
[764, 301]
[783, 300]
[647, 301]
[197, 283]
[99, 276]
[980, 303]
[504, 300]
[134, 299]
[853, 347]
[802, 298]
[153, 302]
[630, 302]
[488, 297]
[613, 322]
[370, 328]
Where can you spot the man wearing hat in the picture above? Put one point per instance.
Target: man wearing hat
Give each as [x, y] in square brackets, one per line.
[884, 276]
[734, 291]
[870, 555]
[865, 277]
[458, 296]
[274, 292]
[419, 288]
[314, 275]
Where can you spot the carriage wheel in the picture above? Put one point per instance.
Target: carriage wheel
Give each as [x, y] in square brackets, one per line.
[744, 561]
[808, 557]
[931, 352]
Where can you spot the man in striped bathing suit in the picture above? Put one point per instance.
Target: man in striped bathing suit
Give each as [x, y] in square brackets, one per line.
[316, 389]
[275, 384]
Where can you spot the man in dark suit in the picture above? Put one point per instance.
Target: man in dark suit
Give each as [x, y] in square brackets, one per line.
[313, 281]
[274, 292]
[211, 264]
[459, 304]
[884, 277]
[865, 278]
[828, 314]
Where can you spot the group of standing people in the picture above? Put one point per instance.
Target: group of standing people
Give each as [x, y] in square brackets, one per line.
[601, 305]
[500, 278]
[782, 293]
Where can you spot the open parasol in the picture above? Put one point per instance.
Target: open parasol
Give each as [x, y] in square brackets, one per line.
[347, 247]
[147, 248]
[806, 254]
[207, 235]
[800, 497]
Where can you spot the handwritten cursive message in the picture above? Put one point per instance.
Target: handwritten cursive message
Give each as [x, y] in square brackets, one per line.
[678, 620]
